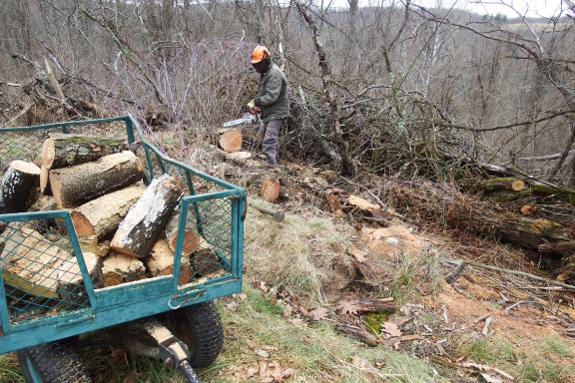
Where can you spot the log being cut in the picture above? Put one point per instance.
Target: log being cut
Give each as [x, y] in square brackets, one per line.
[147, 217]
[102, 216]
[78, 184]
[17, 185]
[65, 150]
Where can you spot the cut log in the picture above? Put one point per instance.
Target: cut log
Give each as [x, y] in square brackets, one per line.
[120, 268]
[363, 305]
[31, 265]
[161, 262]
[45, 181]
[90, 244]
[76, 185]
[204, 259]
[231, 141]
[64, 150]
[147, 218]
[357, 333]
[44, 203]
[191, 236]
[17, 184]
[71, 287]
[102, 216]
[498, 184]
[270, 190]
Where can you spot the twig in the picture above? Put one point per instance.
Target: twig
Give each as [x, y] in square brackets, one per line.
[486, 327]
[521, 273]
[519, 303]
[23, 112]
[481, 318]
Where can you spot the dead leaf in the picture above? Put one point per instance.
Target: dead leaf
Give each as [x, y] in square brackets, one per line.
[361, 203]
[252, 371]
[287, 373]
[356, 361]
[262, 353]
[242, 296]
[357, 254]
[490, 379]
[318, 314]
[391, 329]
[263, 368]
[347, 307]
[251, 344]
[269, 348]
[232, 306]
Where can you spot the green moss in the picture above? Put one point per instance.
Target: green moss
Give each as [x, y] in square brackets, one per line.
[373, 322]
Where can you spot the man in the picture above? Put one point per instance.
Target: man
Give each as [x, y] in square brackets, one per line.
[272, 100]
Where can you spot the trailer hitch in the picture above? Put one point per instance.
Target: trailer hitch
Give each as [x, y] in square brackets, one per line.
[173, 352]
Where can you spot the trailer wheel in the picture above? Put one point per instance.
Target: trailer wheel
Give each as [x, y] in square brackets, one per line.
[56, 362]
[200, 328]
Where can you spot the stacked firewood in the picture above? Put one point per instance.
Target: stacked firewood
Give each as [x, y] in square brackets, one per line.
[126, 231]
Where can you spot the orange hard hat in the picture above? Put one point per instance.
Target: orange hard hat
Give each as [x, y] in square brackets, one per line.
[260, 53]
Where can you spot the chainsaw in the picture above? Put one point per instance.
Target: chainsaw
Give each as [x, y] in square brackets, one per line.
[250, 117]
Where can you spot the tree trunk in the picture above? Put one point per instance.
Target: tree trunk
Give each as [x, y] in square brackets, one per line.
[64, 150]
[102, 216]
[81, 183]
[146, 219]
[17, 185]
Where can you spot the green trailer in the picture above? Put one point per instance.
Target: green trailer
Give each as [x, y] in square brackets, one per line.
[175, 311]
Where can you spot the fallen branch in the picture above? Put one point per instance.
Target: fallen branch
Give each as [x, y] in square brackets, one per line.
[520, 273]
[520, 303]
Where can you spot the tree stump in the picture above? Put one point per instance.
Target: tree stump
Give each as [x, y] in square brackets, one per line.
[17, 185]
[147, 218]
[231, 141]
[102, 216]
[78, 184]
[120, 268]
[64, 150]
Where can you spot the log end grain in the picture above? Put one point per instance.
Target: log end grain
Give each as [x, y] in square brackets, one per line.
[120, 268]
[270, 190]
[48, 153]
[231, 141]
[82, 225]
[161, 262]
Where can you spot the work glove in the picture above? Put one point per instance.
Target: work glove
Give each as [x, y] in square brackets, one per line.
[251, 105]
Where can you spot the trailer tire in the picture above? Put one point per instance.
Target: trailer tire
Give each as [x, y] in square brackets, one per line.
[56, 362]
[202, 331]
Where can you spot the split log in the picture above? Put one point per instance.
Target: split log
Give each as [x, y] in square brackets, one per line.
[120, 268]
[78, 184]
[231, 141]
[17, 185]
[270, 190]
[45, 181]
[161, 262]
[204, 259]
[499, 184]
[71, 287]
[191, 236]
[102, 216]
[147, 218]
[31, 265]
[64, 150]
[90, 244]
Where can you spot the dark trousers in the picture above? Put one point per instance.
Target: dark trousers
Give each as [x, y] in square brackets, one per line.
[269, 144]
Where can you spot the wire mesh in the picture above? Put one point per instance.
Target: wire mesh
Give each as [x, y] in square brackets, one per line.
[207, 243]
[40, 272]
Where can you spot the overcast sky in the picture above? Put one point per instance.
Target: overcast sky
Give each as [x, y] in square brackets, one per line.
[531, 8]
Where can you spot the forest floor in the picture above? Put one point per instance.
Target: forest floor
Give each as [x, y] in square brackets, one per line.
[296, 321]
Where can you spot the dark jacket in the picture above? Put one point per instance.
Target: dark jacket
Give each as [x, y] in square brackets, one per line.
[272, 95]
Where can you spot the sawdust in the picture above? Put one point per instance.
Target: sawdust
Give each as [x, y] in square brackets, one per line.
[392, 240]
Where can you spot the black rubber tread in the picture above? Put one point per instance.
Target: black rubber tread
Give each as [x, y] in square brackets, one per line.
[208, 333]
[56, 362]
